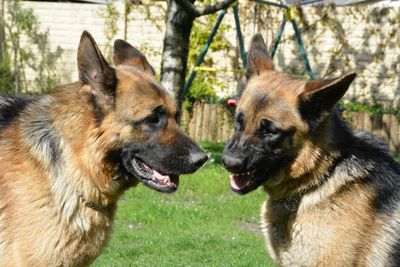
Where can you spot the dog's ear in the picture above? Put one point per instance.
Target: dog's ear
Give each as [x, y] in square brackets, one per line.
[257, 57]
[126, 54]
[320, 96]
[95, 71]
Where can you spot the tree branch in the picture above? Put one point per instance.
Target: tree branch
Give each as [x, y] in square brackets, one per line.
[197, 11]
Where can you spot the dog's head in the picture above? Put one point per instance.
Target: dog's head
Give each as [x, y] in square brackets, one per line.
[278, 119]
[138, 117]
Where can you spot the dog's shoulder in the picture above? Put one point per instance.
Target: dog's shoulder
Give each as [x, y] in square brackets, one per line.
[11, 107]
[370, 156]
[363, 150]
[367, 157]
[383, 172]
[370, 142]
[373, 153]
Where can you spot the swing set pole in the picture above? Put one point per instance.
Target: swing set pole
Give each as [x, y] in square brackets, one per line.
[204, 52]
[290, 16]
[239, 35]
[278, 36]
[303, 52]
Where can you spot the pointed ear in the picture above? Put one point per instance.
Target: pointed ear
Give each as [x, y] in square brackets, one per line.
[257, 57]
[320, 96]
[126, 54]
[95, 71]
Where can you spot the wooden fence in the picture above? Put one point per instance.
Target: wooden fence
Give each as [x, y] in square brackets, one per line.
[213, 122]
[208, 122]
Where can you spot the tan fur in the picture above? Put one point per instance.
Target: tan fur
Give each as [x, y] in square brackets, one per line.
[43, 219]
[316, 232]
[333, 196]
[306, 220]
[308, 227]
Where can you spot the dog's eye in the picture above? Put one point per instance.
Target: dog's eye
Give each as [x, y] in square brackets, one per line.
[153, 119]
[239, 122]
[156, 116]
[267, 127]
[239, 126]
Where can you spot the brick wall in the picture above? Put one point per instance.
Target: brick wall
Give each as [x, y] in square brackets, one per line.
[372, 47]
[66, 21]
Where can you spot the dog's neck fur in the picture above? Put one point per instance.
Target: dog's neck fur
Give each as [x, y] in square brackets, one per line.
[46, 141]
[302, 226]
[59, 169]
[314, 161]
[317, 173]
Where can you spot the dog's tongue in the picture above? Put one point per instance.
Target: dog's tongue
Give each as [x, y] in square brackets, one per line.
[237, 182]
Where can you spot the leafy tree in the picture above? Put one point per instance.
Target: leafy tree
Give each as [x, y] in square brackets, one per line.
[179, 23]
[203, 87]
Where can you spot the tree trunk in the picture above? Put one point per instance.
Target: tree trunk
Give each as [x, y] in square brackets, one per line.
[176, 49]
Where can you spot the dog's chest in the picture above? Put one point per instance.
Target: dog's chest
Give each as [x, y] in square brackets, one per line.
[81, 247]
[287, 239]
[304, 238]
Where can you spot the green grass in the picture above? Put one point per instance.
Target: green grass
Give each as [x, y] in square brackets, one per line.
[202, 224]
[397, 157]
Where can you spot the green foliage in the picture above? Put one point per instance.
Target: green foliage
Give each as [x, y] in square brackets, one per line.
[202, 224]
[111, 15]
[146, 8]
[33, 53]
[204, 85]
[6, 76]
[374, 108]
[201, 90]
[46, 74]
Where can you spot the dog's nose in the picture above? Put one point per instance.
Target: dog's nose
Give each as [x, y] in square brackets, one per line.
[233, 163]
[198, 158]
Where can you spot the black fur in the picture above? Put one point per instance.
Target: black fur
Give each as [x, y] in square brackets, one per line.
[10, 108]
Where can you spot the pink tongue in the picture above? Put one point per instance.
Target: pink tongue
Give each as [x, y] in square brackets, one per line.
[238, 183]
[159, 176]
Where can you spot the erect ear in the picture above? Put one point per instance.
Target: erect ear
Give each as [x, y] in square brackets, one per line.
[320, 96]
[126, 54]
[257, 57]
[95, 71]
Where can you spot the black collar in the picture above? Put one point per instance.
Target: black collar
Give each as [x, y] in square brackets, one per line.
[90, 204]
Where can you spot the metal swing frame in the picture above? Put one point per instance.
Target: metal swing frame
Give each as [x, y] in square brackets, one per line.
[203, 53]
[288, 16]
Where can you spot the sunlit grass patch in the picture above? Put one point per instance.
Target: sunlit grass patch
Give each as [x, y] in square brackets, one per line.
[202, 224]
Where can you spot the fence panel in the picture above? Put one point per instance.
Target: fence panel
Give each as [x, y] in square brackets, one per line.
[214, 123]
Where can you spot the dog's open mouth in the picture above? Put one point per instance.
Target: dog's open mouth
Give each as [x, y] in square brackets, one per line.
[153, 178]
[243, 183]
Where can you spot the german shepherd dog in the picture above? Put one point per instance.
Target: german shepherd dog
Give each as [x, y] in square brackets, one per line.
[65, 158]
[334, 192]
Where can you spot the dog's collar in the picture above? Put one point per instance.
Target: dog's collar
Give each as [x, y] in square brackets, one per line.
[291, 203]
[90, 204]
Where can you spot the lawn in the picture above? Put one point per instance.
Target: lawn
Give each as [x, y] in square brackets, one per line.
[202, 224]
